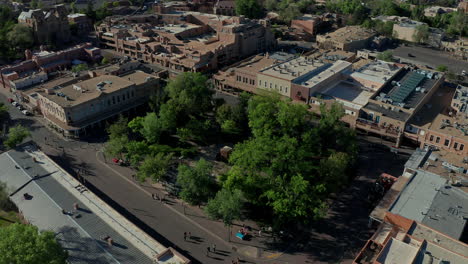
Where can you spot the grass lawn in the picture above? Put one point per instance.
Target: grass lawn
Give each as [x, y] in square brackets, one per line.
[7, 218]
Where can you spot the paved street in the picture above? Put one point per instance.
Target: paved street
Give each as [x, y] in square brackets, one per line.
[430, 57]
[334, 239]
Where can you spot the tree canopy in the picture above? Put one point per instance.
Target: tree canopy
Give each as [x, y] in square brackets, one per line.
[248, 8]
[197, 183]
[385, 56]
[154, 167]
[226, 205]
[16, 135]
[279, 167]
[25, 244]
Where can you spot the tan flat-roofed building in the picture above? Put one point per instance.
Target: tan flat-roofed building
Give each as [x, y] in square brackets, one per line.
[443, 125]
[73, 105]
[349, 38]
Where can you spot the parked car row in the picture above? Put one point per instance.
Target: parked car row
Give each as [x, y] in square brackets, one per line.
[20, 107]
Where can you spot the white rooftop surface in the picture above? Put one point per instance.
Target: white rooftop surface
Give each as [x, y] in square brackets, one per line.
[315, 79]
[349, 92]
[417, 197]
[56, 191]
[438, 253]
[292, 69]
[177, 28]
[75, 15]
[397, 252]
[376, 71]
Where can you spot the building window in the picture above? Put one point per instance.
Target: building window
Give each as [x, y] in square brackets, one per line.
[271, 85]
[260, 82]
[133, 93]
[113, 99]
[118, 98]
[447, 142]
[437, 139]
[431, 138]
[455, 145]
[108, 102]
[286, 89]
[462, 146]
[265, 84]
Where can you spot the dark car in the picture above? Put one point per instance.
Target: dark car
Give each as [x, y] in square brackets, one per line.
[411, 55]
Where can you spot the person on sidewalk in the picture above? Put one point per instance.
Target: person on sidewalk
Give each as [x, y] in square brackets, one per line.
[207, 251]
[213, 246]
[185, 236]
[190, 235]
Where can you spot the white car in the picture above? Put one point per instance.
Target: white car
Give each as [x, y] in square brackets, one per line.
[15, 104]
[26, 112]
[463, 73]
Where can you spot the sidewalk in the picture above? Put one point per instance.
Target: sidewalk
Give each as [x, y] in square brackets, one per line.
[255, 248]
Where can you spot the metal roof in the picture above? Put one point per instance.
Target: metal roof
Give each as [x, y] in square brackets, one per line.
[81, 236]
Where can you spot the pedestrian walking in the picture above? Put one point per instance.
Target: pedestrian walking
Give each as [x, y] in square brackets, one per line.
[185, 236]
[237, 260]
[207, 251]
[190, 235]
[260, 233]
[152, 196]
[213, 246]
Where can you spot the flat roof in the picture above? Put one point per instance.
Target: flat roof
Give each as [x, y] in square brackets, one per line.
[349, 92]
[138, 77]
[400, 116]
[74, 92]
[322, 74]
[396, 251]
[429, 200]
[416, 198]
[377, 71]
[408, 87]
[294, 68]
[423, 232]
[350, 33]
[80, 236]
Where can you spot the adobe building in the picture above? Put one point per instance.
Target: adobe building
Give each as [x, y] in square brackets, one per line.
[37, 66]
[74, 106]
[306, 27]
[348, 38]
[443, 122]
[186, 41]
[226, 8]
[388, 111]
[405, 241]
[48, 26]
[463, 6]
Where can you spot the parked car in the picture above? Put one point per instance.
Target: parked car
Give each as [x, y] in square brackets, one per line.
[411, 55]
[15, 104]
[26, 113]
[463, 73]
[10, 100]
[20, 107]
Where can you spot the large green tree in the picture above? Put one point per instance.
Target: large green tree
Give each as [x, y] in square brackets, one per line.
[154, 167]
[25, 244]
[20, 37]
[226, 205]
[279, 167]
[248, 8]
[16, 135]
[421, 34]
[118, 138]
[197, 183]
